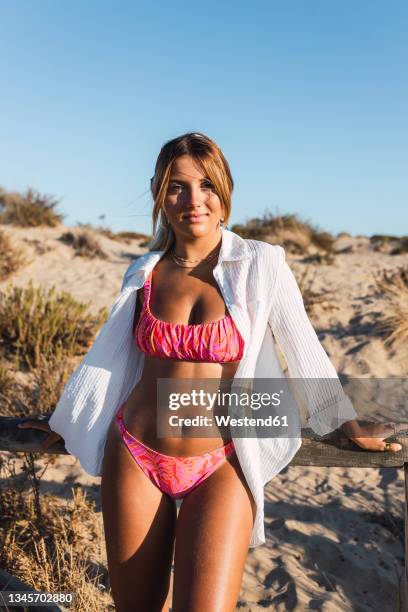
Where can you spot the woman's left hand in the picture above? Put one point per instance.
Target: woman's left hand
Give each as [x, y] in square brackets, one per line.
[371, 436]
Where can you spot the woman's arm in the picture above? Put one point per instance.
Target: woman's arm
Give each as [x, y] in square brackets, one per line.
[320, 389]
[324, 398]
[44, 425]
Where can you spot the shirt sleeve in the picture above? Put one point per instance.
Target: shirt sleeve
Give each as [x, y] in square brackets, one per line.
[317, 382]
[133, 267]
[126, 276]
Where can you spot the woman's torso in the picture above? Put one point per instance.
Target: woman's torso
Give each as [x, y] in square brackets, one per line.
[179, 296]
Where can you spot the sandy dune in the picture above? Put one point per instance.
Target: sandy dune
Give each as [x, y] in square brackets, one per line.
[334, 536]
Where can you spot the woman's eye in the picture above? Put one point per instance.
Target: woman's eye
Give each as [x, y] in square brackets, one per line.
[175, 187]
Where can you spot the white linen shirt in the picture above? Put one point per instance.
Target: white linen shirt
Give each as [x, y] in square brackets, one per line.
[264, 300]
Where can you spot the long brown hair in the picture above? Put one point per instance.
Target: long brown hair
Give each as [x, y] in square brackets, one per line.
[209, 157]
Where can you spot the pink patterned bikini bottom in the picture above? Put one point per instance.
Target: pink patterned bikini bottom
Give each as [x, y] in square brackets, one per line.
[175, 476]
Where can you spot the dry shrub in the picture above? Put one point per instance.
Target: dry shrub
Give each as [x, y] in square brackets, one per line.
[39, 247]
[7, 388]
[382, 238]
[48, 381]
[295, 235]
[84, 244]
[389, 244]
[133, 236]
[30, 209]
[322, 240]
[52, 545]
[11, 258]
[402, 247]
[322, 258]
[36, 392]
[310, 297]
[126, 237]
[36, 324]
[394, 286]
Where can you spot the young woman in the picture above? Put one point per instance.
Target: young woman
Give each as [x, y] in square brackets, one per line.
[202, 303]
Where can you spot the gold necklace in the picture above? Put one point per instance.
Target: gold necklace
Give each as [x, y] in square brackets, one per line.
[182, 261]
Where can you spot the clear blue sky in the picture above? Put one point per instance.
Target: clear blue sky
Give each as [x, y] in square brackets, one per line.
[308, 100]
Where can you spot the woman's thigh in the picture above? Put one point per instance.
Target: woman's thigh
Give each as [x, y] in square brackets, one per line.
[139, 524]
[212, 538]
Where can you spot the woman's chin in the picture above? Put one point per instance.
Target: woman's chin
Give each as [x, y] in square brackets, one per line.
[198, 229]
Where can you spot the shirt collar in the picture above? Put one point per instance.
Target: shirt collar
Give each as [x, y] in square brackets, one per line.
[233, 248]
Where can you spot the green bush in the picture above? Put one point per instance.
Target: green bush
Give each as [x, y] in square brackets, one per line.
[37, 325]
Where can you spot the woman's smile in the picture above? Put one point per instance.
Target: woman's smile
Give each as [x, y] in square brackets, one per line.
[194, 217]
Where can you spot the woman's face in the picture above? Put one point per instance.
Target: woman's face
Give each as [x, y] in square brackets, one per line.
[191, 204]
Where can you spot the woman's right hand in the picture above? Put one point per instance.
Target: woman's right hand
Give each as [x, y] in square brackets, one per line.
[43, 425]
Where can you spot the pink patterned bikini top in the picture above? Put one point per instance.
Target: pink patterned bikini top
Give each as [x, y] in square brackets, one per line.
[218, 341]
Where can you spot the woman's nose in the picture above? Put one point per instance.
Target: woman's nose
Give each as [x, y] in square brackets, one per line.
[194, 195]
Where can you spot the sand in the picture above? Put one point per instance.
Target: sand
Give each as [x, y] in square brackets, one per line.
[334, 535]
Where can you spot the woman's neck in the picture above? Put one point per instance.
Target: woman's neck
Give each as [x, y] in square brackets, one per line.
[197, 248]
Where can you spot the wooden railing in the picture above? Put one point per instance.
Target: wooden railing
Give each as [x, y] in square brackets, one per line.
[333, 450]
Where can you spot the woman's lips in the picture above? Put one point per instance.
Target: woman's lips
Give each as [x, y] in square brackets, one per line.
[195, 218]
